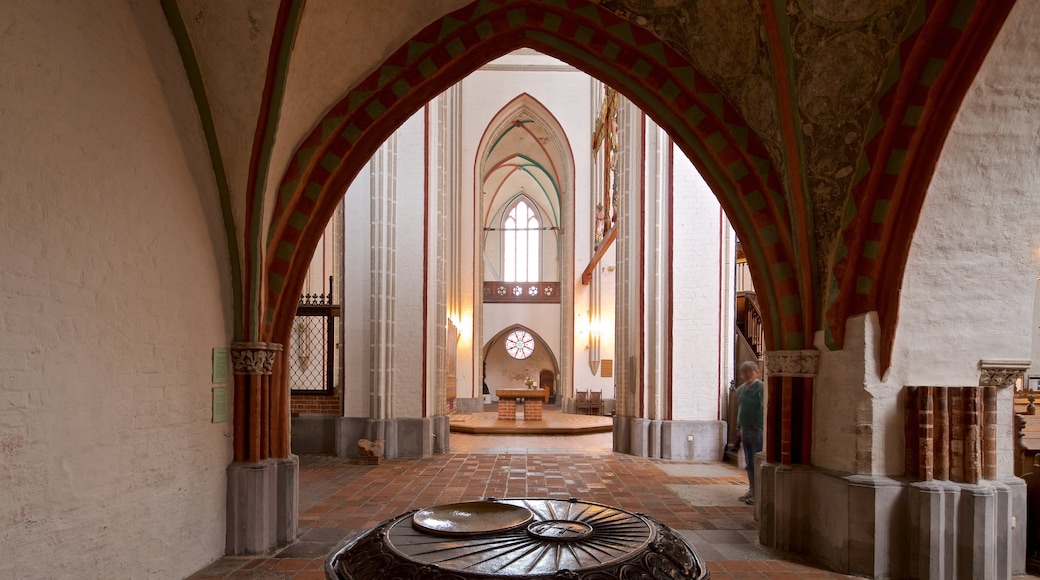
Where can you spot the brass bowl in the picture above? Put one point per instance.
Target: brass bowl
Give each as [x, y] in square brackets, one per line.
[471, 518]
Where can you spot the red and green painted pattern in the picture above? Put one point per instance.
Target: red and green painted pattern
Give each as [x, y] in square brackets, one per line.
[672, 91]
[937, 59]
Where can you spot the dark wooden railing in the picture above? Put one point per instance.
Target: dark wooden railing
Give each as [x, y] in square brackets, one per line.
[749, 321]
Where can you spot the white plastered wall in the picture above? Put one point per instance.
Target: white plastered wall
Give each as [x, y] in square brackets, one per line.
[696, 286]
[408, 286]
[411, 207]
[971, 272]
[356, 288]
[114, 286]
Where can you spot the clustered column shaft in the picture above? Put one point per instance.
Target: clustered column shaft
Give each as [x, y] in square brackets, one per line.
[951, 433]
[253, 409]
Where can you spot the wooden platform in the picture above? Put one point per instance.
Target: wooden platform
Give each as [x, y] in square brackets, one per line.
[553, 423]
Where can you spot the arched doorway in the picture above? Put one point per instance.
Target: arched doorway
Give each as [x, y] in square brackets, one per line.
[515, 355]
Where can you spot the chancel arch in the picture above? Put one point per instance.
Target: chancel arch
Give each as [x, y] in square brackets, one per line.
[757, 166]
[509, 366]
[704, 124]
[525, 155]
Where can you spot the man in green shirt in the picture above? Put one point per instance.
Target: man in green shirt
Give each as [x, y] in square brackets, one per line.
[749, 421]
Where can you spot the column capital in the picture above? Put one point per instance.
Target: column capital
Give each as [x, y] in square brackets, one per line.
[792, 363]
[254, 358]
[1001, 373]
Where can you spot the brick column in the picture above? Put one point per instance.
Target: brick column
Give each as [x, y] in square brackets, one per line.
[789, 385]
[263, 495]
[507, 409]
[951, 433]
[995, 375]
[252, 362]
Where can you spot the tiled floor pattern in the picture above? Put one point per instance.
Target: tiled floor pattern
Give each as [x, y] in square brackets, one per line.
[339, 499]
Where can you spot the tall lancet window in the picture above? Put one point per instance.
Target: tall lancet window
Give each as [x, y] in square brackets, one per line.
[521, 244]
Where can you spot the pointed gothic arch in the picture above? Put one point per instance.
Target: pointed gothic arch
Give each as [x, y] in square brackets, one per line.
[708, 128]
[663, 83]
[498, 336]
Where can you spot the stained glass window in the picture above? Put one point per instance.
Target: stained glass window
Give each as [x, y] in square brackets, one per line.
[519, 344]
[521, 243]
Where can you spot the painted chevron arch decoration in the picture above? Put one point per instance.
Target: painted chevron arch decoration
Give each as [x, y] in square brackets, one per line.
[938, 57]
[671, 90]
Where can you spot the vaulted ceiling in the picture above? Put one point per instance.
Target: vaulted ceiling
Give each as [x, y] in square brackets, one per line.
[818, 123]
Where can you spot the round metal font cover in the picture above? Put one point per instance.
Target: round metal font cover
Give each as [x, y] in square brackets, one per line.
[562, 539]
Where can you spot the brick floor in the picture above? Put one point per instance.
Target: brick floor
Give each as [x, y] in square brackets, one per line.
[339, 499]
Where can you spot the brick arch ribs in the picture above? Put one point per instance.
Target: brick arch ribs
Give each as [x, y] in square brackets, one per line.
[709, 130]
[940, 56]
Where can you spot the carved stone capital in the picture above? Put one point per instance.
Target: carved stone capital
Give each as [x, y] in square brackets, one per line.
[254, 358]
[1001, 373]
[792, 363]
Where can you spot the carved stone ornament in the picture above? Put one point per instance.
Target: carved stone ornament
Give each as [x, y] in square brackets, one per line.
[792, 363]
[254, 358]
[1001, 373]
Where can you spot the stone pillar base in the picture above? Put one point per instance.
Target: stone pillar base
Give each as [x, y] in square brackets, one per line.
[469, 405]
[441, 434]
[883, 527]
[693, 440]
[676, 440]
[622, 433]
[961, 530]
[313, 433]
[404, 437]
[262, 505]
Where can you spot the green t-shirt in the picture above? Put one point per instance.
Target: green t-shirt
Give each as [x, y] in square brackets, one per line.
[749, 405]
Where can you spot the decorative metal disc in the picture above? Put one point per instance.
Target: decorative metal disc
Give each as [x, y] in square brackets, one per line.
[470, 518]
[615, 534]
[567, 539]
[560, 530]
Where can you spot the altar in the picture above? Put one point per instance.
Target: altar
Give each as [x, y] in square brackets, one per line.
[531, 399]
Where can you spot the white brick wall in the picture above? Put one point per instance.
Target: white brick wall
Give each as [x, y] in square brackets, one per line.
[114, 286]
[696, 302]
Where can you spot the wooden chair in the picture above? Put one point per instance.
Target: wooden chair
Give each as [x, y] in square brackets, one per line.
[595, 402]
[582, 403]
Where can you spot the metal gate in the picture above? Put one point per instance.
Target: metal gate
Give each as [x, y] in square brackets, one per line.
[312, 345]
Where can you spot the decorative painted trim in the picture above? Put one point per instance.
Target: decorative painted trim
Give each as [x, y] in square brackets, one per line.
[936, 62]
[209, 130]
[290, 13]
[1001, 373]
[792, 363]
[498, 67]
[254, 358]
[709, 129]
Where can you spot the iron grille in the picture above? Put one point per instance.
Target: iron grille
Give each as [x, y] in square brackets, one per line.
[312, 345]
